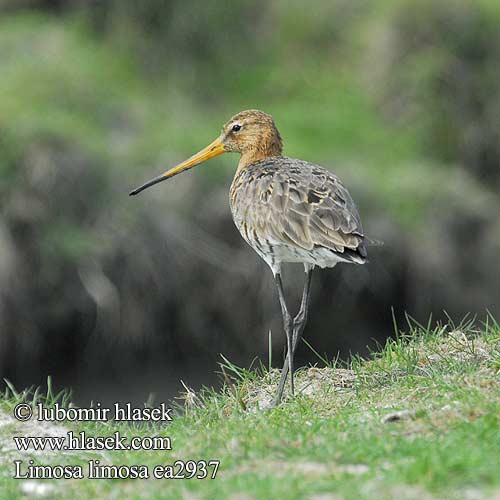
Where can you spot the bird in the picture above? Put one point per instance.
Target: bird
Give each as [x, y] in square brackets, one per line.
[288, 210]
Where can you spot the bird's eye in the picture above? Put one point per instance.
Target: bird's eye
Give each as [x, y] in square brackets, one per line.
[236, 127]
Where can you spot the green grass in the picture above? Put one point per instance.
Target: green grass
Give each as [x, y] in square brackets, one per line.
[419, 419]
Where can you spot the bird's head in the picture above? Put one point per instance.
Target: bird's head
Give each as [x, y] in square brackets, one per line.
[251, 133]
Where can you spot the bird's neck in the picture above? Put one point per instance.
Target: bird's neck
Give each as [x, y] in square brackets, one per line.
[265, 150]
[247, 159]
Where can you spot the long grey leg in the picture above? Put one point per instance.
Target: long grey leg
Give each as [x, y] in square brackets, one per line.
[299, 323]
[287, 325]
[300, 320]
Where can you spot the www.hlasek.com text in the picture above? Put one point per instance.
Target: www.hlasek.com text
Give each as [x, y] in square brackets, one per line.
[83, 442]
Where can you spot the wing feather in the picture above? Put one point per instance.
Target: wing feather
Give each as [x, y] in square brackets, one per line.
[295, 202]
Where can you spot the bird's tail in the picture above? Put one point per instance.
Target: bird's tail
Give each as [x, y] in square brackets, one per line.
[370, 242]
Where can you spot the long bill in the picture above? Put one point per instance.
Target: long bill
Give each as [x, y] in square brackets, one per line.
[214, 149]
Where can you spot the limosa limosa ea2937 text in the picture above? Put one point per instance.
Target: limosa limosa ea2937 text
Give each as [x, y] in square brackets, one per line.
[287, 210]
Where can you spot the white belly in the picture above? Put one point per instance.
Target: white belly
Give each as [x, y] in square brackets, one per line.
[320, 257]
[275, 255]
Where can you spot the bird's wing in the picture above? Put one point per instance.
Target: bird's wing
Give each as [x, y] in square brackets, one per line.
[302, 204]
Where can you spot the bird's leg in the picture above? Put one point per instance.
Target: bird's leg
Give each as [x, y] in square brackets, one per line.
[299, 323]
[300, 320]
[287, 325]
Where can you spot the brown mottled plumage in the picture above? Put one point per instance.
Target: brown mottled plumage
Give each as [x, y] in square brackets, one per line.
[287, 210]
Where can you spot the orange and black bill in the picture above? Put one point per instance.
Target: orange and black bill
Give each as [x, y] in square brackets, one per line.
[214, 149]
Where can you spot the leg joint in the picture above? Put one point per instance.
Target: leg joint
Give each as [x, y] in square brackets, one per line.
[300, 319]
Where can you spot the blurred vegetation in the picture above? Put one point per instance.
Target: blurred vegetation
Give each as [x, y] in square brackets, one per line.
[400, 99]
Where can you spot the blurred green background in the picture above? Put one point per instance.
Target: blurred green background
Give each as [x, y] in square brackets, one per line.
[119, 297]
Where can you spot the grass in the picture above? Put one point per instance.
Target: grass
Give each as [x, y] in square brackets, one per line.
[419, 419]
